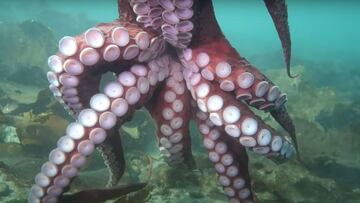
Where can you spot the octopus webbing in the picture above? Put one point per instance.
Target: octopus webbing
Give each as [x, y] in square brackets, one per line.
[171, 57]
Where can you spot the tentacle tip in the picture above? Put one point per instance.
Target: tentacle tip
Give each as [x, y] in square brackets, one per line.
[290, 74]
[294, 76]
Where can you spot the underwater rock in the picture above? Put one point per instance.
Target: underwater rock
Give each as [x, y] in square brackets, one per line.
[290, 183]
[41, 137]
[180, 184]
[9, 106]
[137, 167]
[43, 102]
[342, 116]
[18, 42]
[37, 31]
[29, 75]
[332, 152]
[10, 151]
[8, 134]
[328, 140]
[22, 94]
[139, 139]
[59, 22]
[39, 132]
[10, 189]
[341, 76]
[4, 190]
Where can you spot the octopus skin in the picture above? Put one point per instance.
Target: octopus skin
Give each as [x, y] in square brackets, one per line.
[170, 57]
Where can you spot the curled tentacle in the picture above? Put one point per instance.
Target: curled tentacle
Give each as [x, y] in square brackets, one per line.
[235, 75]
[237, 120]
[84, 58]
[231, 71]
[117, 102]
[76, 70]
[279, 14]
[101, 195]
[213, 72]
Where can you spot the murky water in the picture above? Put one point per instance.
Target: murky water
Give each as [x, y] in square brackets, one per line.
[324, 103]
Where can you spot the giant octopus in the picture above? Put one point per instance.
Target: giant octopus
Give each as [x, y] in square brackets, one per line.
[171, 57]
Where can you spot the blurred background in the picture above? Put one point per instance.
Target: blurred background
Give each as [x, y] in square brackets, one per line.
[324, 102]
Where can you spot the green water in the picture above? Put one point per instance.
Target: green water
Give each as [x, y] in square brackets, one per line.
[324, 101]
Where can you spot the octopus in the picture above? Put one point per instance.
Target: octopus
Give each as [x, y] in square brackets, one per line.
[170, 57]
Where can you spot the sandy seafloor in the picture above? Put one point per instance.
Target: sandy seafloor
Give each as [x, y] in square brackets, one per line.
[324, 103]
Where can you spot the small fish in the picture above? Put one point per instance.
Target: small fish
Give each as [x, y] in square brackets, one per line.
[9, 107]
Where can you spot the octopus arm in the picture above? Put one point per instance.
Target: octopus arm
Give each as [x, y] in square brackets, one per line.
[282, 116]
[101, 195]
[238, 121]
[113, 155]
[233, 73]
[75, 71]
[211, 57]
[229, 158]
[107, 109]
[222, 85]
[125, 11]
[170, 107]
[278, 12]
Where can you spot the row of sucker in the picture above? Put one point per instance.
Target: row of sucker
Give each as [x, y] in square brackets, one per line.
[172, 126]
[105, 43]
[225, 163]
[248, 84]
[119, 98]
[235, 117]
[172, 17]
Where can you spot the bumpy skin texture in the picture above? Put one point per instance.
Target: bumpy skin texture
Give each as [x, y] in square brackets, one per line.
[171, 57]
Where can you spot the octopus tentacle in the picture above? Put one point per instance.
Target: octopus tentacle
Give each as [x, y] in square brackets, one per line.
[282, 116]
[125, 11]
[229, 159]
[106, 47]
[101, 195]
[133, 48]
[112, 152]
[279, 14]
[117, 102]
[173, 19]
[241, 157]
[237, 120]
[228, 68]
[233, 74]
[170, 108]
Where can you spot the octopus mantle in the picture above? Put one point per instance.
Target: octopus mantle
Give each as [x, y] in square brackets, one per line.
[170, 57]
